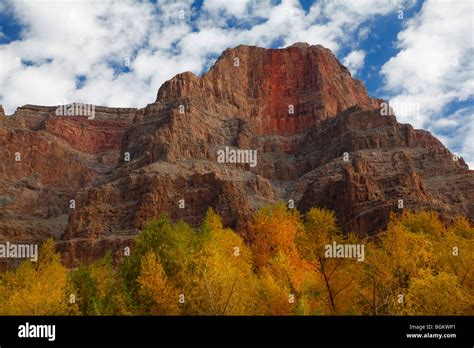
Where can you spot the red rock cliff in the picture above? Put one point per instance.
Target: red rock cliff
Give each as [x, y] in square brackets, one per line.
[335, 150]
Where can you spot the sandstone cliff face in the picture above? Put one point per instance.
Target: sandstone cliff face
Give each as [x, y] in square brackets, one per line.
[261, 86]
[45, 160]
[320, 141]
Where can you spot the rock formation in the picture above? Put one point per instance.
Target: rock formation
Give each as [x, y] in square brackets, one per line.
[320, 141]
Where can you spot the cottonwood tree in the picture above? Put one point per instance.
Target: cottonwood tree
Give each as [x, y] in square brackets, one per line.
[173, 244]
[99, 288]
[40, 288]
[275, 230]
[415, 268]
[221, 281]
[158, 296]
[339, 277]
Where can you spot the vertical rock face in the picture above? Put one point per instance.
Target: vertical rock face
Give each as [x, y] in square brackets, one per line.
[278, 91]
[320, 140]
[46, 159]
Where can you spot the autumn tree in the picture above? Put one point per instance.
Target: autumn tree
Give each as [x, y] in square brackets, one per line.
[157, 294]
[275, 230]
[437, 293]
[339, 277]
[220, 280]
[404, 249]
[172, 243]
[40, 288]
[99, 289]
[455, 252]
[418, 266]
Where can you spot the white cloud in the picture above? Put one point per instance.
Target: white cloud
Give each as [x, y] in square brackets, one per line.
[435, 65]
[467, 149]
[67, 39]
[236, 8]
[354, 61]
[456, 130]
[363, 33]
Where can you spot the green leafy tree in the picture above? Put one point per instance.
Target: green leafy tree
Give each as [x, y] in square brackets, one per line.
[99, 288]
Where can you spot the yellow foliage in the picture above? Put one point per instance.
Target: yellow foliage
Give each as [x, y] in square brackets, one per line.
[37, 289]
[338, 277]
[275, 229]
[222, 282]
[274, 297]
[158, 295]
[440, 294]
[416, 266]
[423, 221]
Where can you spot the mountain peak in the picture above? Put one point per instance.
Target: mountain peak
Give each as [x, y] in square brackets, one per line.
[284, 90]
[301, 45]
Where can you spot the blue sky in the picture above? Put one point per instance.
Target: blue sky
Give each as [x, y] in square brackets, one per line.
[419, 55]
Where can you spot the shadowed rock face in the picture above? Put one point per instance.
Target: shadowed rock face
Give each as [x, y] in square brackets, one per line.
[319, 137]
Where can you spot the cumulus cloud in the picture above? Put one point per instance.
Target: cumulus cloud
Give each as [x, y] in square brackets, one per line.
[122, 51]
[63, 40]
[354, 61]
[434, 69]
[233, 8]
[467, 149]
[456, 131]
